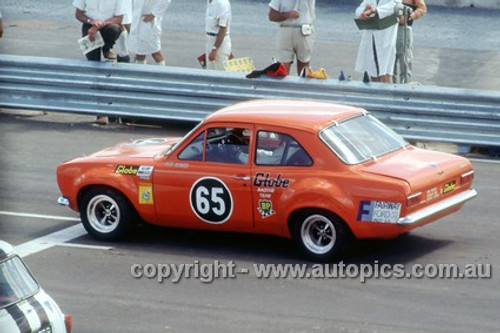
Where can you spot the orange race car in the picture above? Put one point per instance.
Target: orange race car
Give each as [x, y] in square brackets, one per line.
[316, 172]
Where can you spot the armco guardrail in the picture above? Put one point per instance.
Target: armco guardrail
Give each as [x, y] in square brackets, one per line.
[429, 113]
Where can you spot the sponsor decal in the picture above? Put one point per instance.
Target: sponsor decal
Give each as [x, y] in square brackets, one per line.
[265, 193]
[266, 208]
[265, 180]
[127, 169]
[449, 186]
[142, 171]
[379, 211]
[211, 200]
[145, 171]
[177, 165]
[432, 194]
[146, 194]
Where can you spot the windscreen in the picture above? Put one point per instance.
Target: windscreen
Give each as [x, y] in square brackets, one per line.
[361, 138]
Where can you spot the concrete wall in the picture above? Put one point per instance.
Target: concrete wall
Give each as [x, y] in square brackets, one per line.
[493, 4]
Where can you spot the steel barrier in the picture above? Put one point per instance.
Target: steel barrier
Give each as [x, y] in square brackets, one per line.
[428, 113]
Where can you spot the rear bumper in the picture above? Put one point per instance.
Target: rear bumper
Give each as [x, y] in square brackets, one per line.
[438, 208]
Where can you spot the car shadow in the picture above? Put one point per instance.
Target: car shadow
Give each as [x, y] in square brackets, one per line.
[268, 249]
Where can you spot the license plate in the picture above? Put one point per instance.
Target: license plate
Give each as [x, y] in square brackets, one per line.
[449, 186]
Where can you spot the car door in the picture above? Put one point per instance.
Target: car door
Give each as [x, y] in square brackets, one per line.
[280, 163]
[206, 182]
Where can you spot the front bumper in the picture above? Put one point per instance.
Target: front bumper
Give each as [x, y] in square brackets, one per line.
[438, 207]
[63, 201]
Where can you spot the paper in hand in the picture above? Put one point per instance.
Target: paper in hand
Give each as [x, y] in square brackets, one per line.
[86, 45]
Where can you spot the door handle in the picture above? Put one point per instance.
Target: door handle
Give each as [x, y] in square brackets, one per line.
[245, 178]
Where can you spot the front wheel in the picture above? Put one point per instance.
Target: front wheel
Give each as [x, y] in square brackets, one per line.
[106, 214]
[321, 235]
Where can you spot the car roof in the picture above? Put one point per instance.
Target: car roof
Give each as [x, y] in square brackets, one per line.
[6, 250]
[298, 114]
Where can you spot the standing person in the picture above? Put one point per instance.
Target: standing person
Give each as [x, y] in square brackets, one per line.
[218, 42]
[377, 48]
[145, 33]
[296, 31]
[121, 46]
[104, 16]
[404, 43]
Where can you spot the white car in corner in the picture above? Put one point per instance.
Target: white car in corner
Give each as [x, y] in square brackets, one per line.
[24, 305]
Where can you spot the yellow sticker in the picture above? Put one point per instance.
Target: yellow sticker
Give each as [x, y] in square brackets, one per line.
[146, 194]
[244, 65]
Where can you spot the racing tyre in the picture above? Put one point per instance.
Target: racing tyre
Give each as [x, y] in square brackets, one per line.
[321, 235]
[106, 214]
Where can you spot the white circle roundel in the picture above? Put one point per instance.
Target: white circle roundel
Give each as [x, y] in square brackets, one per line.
[211, 200]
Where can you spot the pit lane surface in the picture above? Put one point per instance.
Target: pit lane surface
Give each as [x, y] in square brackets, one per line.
[95, 285]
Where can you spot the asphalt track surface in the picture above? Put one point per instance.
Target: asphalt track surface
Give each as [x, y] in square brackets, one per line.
[92, 281]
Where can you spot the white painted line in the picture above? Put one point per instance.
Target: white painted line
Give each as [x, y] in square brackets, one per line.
[58, 238]
[40, 216]
[85, 246]
[50, 240]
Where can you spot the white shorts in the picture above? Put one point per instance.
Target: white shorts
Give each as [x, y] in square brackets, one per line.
[222, 53]
[292, 43]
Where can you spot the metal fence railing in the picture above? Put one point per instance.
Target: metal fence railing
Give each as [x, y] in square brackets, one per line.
[429, 113]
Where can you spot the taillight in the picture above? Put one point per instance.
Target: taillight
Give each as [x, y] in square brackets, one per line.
[414, 199]
[68, 322]
[467, 177]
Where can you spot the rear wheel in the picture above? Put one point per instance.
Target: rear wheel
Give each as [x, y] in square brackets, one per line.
[106, 214]
[320, 235]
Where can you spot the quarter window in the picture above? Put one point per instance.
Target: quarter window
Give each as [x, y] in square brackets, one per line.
[275, 148]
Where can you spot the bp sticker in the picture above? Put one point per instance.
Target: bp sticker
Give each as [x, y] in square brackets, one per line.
[211, 200]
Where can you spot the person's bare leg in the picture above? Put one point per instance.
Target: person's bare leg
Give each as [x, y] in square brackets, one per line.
[140, 59]
[300, 66]
[159, 58]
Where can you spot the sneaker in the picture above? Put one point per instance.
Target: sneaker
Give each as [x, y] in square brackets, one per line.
[123, 59]
[110, 56]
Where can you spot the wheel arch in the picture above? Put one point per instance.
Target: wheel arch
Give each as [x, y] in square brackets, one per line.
[90, 187]
[295, 215]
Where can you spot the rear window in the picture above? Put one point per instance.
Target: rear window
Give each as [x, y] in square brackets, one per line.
[16, 282]
[361, 138]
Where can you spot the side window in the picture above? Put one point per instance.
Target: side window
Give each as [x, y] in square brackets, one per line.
[280, 149]
[227, 145]
[194, 150]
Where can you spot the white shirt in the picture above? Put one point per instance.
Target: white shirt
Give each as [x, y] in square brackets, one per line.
[127, 17]
[218, 14]
[306, 9]
[101, 9]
